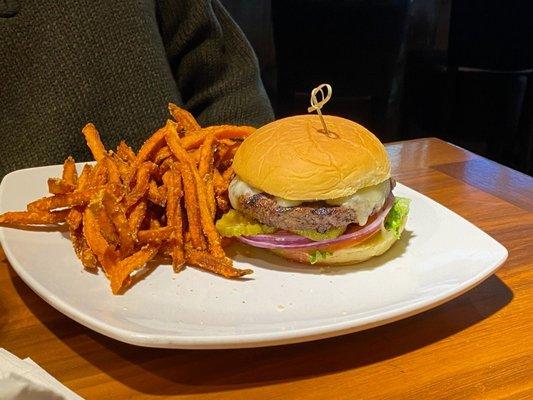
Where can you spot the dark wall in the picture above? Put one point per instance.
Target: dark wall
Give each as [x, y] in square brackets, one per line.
[424, 89]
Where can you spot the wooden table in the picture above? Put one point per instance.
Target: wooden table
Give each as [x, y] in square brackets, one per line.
[479, 346]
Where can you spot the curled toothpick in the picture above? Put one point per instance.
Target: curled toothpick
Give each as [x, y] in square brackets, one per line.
[317, 105]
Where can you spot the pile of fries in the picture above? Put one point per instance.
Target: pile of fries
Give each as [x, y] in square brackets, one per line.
[127, 208]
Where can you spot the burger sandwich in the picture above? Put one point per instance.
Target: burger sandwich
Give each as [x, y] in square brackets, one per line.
[313, 196]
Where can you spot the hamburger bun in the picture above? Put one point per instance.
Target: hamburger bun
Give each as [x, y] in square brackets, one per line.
[293, 159]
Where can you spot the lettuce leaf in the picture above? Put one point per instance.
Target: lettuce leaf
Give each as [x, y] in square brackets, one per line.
[395, 217]
[318, 255]
[233, 223]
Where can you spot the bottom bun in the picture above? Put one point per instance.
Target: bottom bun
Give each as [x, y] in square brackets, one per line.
[375, 246]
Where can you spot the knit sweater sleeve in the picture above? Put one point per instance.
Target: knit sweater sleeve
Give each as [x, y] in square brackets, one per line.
[214, 66]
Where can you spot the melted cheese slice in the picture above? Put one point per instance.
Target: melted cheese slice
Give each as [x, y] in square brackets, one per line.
[238, 188]
[365, 201]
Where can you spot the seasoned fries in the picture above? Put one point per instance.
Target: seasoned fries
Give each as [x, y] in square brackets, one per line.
[128, 209]
[93, 141]
[184, 118]
[59, 186]
[172, 180]
[33, 217]
[70, 175]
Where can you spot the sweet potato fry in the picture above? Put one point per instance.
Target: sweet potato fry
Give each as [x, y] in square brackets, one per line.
[70, 175]
[116, 212]
[162, 154]
[122, 166]
[195, 139]
[96, 241]
[162, 195]
[141, 186]
[210, 194]
[157, 195]
[221, 192]
[93, 141]
[33, 217]
[220, 154]
[113, 173]
[192, 207]
[62, 200]
[238, 132]
[195, 156]
[205, 165]
[174, 192]
[205, 170]
[125, 267]
[208, 225]
[74, 217]
[227, 175]
[125, 153]
[173, 184]
[223, 203]
[136, 216]
[85, 177]
[184, 118]
[189, 187]
[219, 182]
[229, 142]
[81, 248]
[220, 266]
[165, 165]
[227, 159]
[107, 229]
[152, 144]
[99, 175]
[175, 144]
[59, 186]
[157, 235]
[88, 258]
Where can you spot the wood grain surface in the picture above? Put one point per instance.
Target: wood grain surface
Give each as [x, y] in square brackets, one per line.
[478, 346]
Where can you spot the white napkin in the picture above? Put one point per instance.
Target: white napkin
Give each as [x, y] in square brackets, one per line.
[25, 380]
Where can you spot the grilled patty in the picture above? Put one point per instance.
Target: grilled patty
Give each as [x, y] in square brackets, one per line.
[317, 216]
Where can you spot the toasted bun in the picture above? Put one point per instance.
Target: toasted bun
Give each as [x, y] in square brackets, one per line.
[291, 158]
[375, 246]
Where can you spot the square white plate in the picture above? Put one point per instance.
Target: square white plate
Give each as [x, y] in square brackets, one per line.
[439, 257]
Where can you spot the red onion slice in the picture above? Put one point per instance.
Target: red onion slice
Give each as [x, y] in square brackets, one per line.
[295, 242]
[280, 237]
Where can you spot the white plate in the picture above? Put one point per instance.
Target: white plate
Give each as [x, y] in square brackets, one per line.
[440, 256]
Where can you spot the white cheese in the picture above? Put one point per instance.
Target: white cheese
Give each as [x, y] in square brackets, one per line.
[365, 201]
[238, 188]
[287, 203]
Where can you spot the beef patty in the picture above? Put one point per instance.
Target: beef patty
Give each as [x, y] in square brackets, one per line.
[317, 216]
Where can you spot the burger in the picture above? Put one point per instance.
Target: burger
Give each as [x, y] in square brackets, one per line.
[314, 196]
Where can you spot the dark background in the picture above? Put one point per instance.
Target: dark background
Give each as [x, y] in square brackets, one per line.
[459, 70]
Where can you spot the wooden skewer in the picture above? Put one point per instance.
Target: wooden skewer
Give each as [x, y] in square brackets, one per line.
[317, 105]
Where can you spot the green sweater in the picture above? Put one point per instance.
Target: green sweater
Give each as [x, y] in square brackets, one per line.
[117, 64]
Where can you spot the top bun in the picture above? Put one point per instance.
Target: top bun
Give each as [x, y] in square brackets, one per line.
[291, 158]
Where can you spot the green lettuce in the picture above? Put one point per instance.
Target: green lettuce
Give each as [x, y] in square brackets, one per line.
[395, 217]
[318, 255]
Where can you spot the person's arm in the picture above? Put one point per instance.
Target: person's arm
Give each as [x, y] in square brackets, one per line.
[215, 68]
